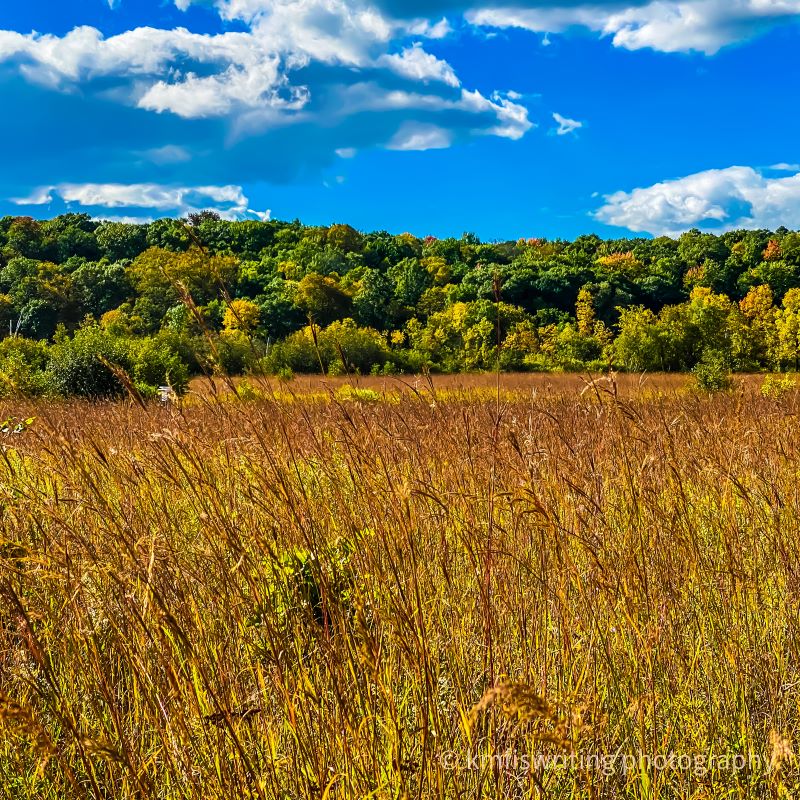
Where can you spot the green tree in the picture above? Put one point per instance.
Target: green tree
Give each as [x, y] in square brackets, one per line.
[639, 346]
[410, 280]
[100, 286]
[162, 277]
[26, 238]
[372, 301]
[322, 299]
[169, 234]
[118, 240]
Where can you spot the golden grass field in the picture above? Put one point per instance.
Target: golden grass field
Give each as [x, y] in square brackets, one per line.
[403, 590]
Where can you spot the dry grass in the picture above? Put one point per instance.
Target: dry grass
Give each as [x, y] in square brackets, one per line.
[311, 597]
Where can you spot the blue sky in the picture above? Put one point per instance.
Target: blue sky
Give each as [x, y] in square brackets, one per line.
[505, 118]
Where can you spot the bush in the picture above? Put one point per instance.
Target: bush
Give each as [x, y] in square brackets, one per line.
[75, 366]
[296, 353]
[236, 352]
[775, 386]
[22, 367]
[712, 374]
[156, 363]
[361, 348]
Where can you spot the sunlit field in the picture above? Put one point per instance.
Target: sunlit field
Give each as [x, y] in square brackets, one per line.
[403, 588]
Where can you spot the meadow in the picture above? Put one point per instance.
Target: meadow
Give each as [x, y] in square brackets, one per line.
[402, 588]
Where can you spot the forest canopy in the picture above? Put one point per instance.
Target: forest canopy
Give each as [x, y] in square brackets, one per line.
[167, 300]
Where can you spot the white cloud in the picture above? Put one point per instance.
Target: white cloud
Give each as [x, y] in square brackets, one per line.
[511, 118]
[346, 152]
[194, 97]
[415, 63]
[664, 25]
[168, 154]
[229, 201]
[436, 30]
[566, 125]
[84, 53]
[124, 219]
[721, 199]
[327, 30]
[40, 196]
[412, 136]
[311, 64]
[249, 76]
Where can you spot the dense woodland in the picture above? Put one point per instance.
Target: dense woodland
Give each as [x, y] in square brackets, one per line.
[163, 301]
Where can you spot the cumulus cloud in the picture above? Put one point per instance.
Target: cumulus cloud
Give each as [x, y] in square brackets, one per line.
[566, 125]
[504, 117]
[85, 54]
[716, 199]
[665, 25]
[195, 97]
[167, 154]
[421, 137]
[229, 201]
[415, 63]
[297, 61]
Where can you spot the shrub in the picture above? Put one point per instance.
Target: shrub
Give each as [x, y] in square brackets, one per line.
[155, 363]
[775, 386]
[296, 353]
[76, 367]
[711, 373]
[303, 588]
[236, 352]
[360, 347]
[22, 367]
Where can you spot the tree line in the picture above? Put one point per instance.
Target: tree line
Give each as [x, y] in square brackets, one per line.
[83, 302]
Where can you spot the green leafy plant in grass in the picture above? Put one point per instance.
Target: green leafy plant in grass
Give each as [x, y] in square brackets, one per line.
[306, 588]
[354, 394]
[775, 386]
[246, 391]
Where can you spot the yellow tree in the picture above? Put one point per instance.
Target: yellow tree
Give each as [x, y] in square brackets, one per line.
[788, 329]
[241, 315]
[711, 313]
[156, 272]
[588, 325]
[584, 311]
[624, 263]
[753, 330]
[438, 268]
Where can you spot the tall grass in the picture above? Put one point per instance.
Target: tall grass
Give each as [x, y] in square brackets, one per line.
[296, 598]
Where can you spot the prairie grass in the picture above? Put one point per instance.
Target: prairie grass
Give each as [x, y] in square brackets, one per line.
[309, 596]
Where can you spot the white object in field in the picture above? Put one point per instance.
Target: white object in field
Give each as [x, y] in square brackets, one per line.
[166, 394]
